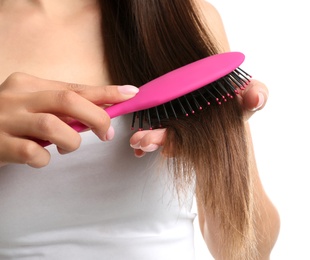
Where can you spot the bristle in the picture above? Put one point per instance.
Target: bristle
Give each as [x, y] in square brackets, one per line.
[230, 85]
[211, 86]
[198, 106]
[182, 108]
[189, 105]
[173, 110]
[133, 120]
[149, 119]
[217, 92]
[225, 90]
[238, 80]
[141, 118]
[244, 74]
[203, 97]
[165, 111]
[158, 116]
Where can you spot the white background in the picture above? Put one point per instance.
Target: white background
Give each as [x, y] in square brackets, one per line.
[274, 36]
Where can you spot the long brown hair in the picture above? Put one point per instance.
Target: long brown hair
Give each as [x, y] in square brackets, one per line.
[145, 39]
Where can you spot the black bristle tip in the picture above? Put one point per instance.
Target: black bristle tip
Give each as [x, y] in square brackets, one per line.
[216, 92]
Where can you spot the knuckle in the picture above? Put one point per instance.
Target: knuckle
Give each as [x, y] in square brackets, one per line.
[46, 123]
[114, 93]
[6, 99]
[70, 143]
[100, 125]
[27, 152]
[107, 90]
[78, 88]
[17, 78]
[66, 97]
[110, 93]
[102, 119]
[75, 144]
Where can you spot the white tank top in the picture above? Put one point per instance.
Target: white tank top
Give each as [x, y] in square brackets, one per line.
[99, 202]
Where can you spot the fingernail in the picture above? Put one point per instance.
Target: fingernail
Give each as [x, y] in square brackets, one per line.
[261, 100]
[150, 148]
[135, 146]
[110, 134]
[139, 154]
[128, 90]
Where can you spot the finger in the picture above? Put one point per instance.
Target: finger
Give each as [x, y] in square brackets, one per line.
[251, 95]
[148, 140]
[23, 151]
[139, 153]
[97, 94]
[109, 94]
[254, 98]
[72, 105]
[47, 127]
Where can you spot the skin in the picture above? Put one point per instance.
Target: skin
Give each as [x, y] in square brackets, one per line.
[47, 80]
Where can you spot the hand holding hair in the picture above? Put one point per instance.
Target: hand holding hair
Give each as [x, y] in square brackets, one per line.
[253, 99]
[35, 108]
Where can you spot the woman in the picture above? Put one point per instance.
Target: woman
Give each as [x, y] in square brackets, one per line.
[59, 61]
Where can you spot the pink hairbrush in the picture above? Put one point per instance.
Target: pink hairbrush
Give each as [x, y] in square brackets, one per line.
[212, 79]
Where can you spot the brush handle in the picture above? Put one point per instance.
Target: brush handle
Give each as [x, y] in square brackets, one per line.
[172, 85]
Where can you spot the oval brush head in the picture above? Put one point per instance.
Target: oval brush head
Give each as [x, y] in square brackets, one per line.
[209, 81]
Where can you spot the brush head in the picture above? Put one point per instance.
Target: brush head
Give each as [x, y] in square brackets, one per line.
[183, 91]
[179, 82]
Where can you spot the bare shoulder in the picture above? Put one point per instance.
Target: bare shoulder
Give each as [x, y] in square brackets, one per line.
[208, 9]
[214, 22]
